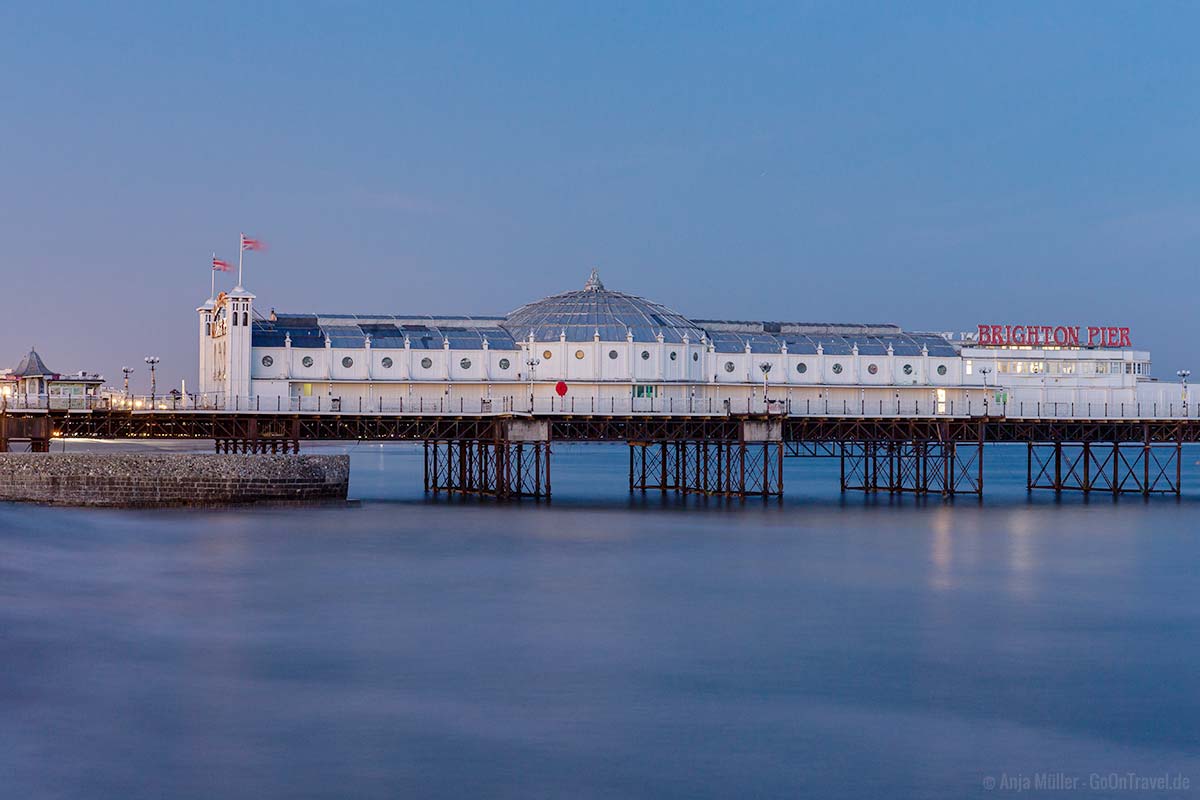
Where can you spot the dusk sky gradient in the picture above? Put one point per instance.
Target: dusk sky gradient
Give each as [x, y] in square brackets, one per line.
[932, 165]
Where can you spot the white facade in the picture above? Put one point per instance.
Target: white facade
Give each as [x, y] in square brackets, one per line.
[640, 357]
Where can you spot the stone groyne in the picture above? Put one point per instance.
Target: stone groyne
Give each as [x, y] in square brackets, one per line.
[139, 480]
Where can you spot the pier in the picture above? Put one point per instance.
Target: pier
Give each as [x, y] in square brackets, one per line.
[508, 455]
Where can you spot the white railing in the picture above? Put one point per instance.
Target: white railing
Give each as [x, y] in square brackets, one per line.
[513, 404]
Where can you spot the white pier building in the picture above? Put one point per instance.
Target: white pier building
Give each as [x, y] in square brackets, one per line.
[596, 349]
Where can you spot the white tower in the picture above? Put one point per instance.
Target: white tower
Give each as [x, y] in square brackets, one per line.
[240, 313]
[205, 315]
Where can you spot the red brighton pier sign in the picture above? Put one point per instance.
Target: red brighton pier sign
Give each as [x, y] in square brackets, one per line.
[1052, 336]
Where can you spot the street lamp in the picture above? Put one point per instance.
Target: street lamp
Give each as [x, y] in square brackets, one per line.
[152, 361]
[128, 371]
[766, 369]
[532, 363]
[985, 371]
[1183, 376]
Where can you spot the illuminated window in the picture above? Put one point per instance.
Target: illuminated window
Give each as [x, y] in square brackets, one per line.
[387, 363]
[267, 361]
[465, 363]
[347, 362]
[837, 369]
[547, 355]
[426, 362]
[307, 361]
[505, 363]
[968, 367]
[579, 354]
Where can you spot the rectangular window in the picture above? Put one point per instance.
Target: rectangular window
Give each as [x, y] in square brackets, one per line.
[968, 367]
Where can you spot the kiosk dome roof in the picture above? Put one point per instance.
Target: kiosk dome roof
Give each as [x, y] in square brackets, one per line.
[582, 313]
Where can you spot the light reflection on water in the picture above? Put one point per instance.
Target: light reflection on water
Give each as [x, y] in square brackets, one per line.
[602, 645]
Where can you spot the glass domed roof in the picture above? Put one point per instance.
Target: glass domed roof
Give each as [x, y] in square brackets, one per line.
[583, 313]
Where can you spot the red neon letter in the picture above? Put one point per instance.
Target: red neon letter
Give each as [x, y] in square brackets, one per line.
[998, 336]
[1073, 336]
[1113, 337]
[985, 335]
[1124, 338]
[1093, 332]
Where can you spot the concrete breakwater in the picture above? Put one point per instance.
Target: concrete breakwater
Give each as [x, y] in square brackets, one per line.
[170, 479]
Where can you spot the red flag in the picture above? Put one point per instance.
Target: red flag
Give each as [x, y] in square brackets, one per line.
[220, 266]
[252, 244]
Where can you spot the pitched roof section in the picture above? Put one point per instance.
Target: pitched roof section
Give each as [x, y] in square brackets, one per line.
[31, 365]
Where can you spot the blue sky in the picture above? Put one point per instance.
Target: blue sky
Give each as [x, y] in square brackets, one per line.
[933, 165]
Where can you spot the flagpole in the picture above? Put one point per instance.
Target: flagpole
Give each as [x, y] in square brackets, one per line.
[212, 292]
[241, 251]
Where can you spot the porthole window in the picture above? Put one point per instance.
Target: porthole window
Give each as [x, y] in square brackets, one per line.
[426, 363]
[306, 361]
[465, 363]
[579, 354]
[729, 366]
[695, 356]
[347, 362]
[505, 363]
[674, 355]
[871, 368]
[837, 369]
[802, 368]
[941, 369]
[645, 355]
[267, 361]
[908, 369]
[612, 354]
[387, 363]
[547, 355]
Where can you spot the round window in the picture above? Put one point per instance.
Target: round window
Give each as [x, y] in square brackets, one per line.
[547, 355]
[837, 369]
[306, 361]
[941, 369]
[674, 355]
[908, 369]
[465, 363]
[695, 356]
[387, 363]
[267, 361]
[871, 368]
[729, 366]
[802, 368]
[347, 362]
[612, 354]
[426, 362]
[505, 363]
[579, 354]
[645, 355]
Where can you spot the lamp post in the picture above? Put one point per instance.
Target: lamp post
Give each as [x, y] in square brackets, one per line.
[766, 370]
[152, 361]
[985, 371]
[1183, 376]
[128, 371]
[532, 363]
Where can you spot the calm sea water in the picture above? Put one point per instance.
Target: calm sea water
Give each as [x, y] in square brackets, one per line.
[826, 646]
